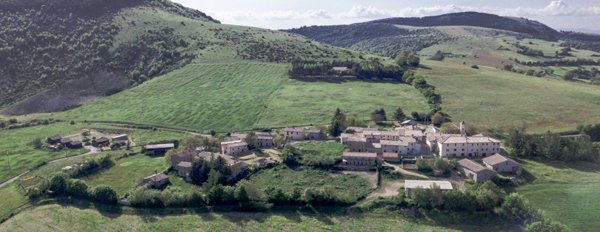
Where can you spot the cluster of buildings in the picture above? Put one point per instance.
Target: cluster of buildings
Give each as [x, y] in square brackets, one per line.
[492, 165]
[66, 142]
[121, 140]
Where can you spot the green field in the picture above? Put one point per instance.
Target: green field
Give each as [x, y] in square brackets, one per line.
[314, 152]
[18, 155]
[305, 103]
[490, 98]
[127, 172]
[567, 192]
[351, 186]
[240, 96]
[65, 218]
[12, 199]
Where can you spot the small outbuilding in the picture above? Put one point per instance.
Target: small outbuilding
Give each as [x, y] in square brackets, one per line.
[53, 139]
[100, 142]
[120, 139]
[74, 144]
[500, 163]
[410, 185]
[157, 181]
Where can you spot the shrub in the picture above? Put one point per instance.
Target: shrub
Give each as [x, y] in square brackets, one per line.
[77, 188]
[475, 66]
[103, 194]
[58, 184]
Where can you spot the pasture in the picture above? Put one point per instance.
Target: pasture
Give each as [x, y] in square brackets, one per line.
[490, 98]
[306, 103]
[566, 192]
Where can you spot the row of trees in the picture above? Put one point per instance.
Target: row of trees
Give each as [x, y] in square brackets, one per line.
[91, 166]
[592, 75]
[368, 69]
[62, 185]
[551, 146]
[593, 131]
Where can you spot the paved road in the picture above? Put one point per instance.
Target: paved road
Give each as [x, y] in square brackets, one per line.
[92, 151]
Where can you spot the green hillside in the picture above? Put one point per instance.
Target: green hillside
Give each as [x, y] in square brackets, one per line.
[240, 96]
[487, 97]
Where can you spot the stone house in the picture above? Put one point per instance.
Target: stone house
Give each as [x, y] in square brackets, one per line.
[158, 149]
[53, 139]
[100, 142]
[359, 160]
[467, 146]
[294, 134]
[234, 148]
[157, 181]
[265, 140]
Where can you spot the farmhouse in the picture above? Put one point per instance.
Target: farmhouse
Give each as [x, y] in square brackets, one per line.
[410, 185]
[102, 141]
[316, 134]
[391, 157]
[359, 160]
[184, 169]
[54, 139]
[65, 141]
[158, 149]
[237, 147]
[501, 163]
[456, 146]
[294, 133]
[398, 141]
[157, 181]
[265, 140]
[475, 171]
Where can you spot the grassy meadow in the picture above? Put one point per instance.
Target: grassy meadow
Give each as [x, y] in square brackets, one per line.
[127, 172]
[351, 186]
[12, 199]
[490, 98]
[305, 103]
[567, 192]
[66, 218]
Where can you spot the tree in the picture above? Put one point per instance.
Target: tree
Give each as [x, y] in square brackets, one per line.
[338, 123]
[290, 156]
[104, 194]
[191, 142]
[169, 156]
[77, 188]
[438, 118]
[515, 208]
[58, 184]
[399, 115]
[252, 140]
[378, 116]
[222, 167]
[200, 170]
[279, 141]
[415, 116]
[213, 180]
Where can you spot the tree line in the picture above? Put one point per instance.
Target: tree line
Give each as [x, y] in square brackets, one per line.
[551, 146]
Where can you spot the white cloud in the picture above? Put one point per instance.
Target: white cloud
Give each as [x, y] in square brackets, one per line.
[554, 8]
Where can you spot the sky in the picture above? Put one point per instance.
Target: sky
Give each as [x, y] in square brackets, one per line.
[582, 15]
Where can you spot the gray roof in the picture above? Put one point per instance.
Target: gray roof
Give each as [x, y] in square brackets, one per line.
[497, 159]
[427, 184]
[471, 165]
[160, 146]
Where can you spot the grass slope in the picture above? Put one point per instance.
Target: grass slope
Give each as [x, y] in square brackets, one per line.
[304, 103]
[211, 96]
[12, 199]
[567, 193]
[491, 98]
[60, 218]
[315, 152]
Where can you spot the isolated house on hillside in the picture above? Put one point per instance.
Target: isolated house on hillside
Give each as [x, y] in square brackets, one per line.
[158, 149]
[500, 163]
[410, 185]
[475, 171]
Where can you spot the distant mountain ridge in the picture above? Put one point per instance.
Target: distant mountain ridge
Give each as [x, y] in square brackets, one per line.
[477, 19]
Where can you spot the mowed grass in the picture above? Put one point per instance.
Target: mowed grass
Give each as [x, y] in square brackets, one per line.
[567, 192]
[346, 185]
[17, 154]
[490, 98]
[127, 172]
[316, 151]
[12, 199]
[65, 218]
[223, 97]
[305, 103]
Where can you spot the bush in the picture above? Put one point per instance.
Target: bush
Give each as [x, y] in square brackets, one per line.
[545, 226]
[475, 66]
[103, 194]
[58, 184]
[515, 208]
[77, 188]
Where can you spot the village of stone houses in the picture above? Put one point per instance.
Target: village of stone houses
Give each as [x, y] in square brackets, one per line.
[393, 157]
